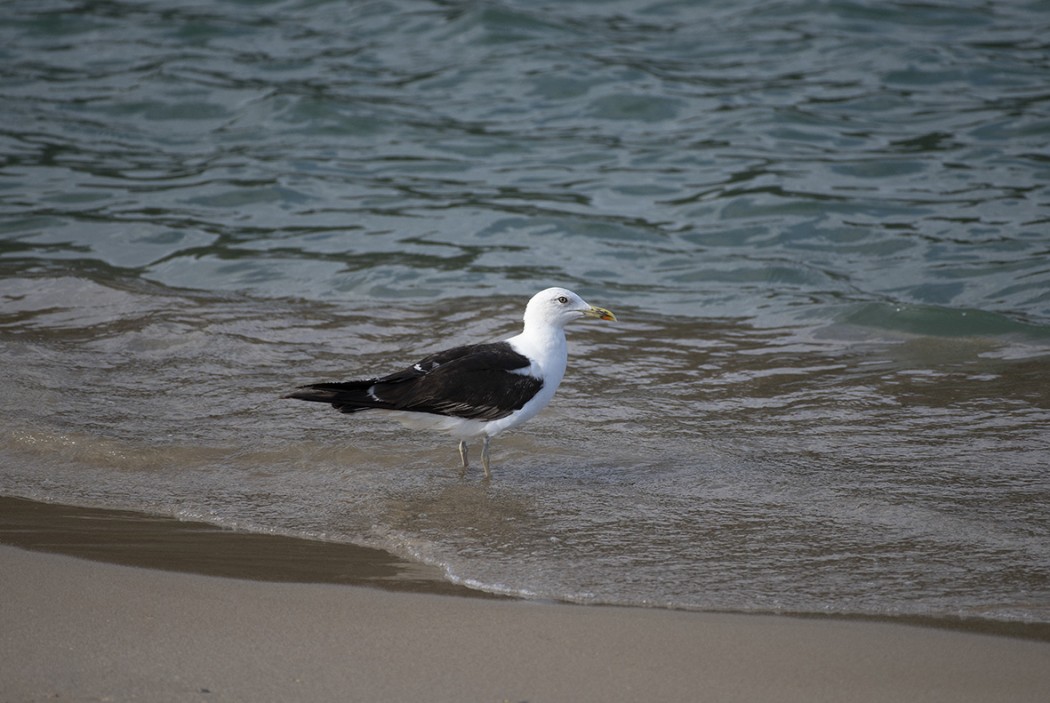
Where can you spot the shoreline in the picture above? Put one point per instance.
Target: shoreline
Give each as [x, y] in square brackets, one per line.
[75, 628]
[137, 539]
[132, 538]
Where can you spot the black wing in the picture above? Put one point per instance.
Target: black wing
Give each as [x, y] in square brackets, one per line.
[476, 382]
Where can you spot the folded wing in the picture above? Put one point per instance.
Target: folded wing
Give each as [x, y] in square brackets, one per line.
[479, 382]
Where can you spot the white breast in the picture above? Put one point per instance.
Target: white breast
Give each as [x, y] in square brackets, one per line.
[549, 354]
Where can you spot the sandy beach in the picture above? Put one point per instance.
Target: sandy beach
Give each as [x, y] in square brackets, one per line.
[81, 630]
[809, 461]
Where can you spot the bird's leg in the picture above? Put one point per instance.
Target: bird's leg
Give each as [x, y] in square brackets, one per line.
[463, 454]
[485, 456]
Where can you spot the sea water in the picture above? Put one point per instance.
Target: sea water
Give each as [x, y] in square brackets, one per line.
[824, 226]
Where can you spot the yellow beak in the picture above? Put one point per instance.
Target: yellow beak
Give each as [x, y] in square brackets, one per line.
[600, 313]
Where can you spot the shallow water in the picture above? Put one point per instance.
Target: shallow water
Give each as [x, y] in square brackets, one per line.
[822, 225]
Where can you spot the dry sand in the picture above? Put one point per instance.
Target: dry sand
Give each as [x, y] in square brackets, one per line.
[78, 630]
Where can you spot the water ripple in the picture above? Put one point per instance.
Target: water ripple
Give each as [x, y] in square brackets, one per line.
[822, 223]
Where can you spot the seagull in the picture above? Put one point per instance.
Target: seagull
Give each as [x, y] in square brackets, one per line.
[477, 390]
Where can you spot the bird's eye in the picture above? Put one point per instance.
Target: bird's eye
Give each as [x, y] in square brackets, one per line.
[562, 299]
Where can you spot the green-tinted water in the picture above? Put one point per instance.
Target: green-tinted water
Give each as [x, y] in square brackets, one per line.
[822, 224]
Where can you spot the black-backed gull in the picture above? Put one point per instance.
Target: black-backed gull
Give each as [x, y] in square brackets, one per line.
[478, 390]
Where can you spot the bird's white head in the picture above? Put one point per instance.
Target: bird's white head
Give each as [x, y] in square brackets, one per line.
[556, 307]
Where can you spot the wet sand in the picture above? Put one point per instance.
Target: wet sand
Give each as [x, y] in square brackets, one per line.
[79, 629]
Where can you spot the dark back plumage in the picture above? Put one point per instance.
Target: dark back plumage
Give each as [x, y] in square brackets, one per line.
[477, 381]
